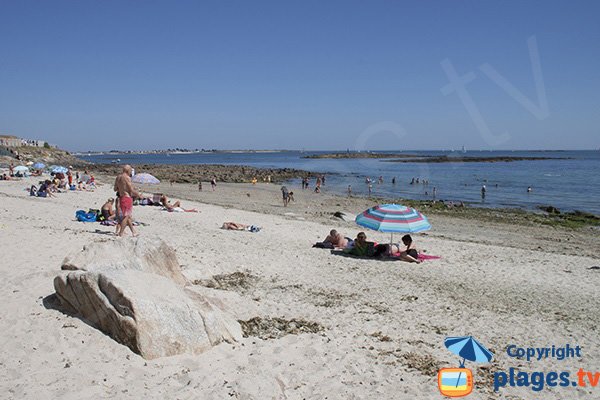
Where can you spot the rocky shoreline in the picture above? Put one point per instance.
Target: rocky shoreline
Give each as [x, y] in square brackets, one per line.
[459, 159]
[181, 173]
[360, 155]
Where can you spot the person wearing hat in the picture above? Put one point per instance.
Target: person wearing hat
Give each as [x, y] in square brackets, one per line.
[107, 210]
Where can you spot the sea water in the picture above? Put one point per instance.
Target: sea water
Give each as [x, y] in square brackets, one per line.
[569, 180]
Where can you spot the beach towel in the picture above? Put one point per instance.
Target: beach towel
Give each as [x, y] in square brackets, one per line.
[422, 256]
[82, 216]
[323, 245]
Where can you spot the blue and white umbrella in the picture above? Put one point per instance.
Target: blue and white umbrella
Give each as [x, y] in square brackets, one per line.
[469, 349]
[145, 178]
[394, 218]
[21, 169]
[59, 169]
[39, 165]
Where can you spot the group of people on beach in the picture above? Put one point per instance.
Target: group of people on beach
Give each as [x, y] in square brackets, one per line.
[60, 182]
[320, 181]
[361, 247]
[126, 196]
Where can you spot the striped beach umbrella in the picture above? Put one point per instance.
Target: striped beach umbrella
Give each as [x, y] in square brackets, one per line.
[393, 218]
[145, 178]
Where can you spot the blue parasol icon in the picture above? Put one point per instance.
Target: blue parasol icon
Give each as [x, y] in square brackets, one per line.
[469, 349]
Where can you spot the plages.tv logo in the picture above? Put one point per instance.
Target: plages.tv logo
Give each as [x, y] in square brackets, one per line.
[458, 382]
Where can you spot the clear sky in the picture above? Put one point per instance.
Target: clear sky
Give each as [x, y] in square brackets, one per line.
[308, 74]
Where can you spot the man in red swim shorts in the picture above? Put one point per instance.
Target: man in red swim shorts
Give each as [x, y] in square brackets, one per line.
[126, 191]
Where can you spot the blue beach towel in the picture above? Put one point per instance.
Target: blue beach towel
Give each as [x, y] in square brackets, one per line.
[83, 216]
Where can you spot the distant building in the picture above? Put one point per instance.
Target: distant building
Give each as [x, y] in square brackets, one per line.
[34, 143]
[10, 141]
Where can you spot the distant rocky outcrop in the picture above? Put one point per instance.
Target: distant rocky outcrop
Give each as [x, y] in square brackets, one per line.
[181, 173]
[141, 300]
[48, 156]
[461, 159]
[360, 155]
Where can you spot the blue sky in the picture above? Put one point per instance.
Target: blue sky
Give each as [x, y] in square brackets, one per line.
[307, 74]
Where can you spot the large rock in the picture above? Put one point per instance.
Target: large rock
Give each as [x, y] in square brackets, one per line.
[147, 254]
[134, 291]
[149, 313]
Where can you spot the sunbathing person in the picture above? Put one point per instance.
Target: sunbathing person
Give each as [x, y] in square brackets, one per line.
[165, 202]
[175, 207]
[362, 248]
[236, 226]
[410, 253]
[107, 210]
[44, 190]
[337, 240]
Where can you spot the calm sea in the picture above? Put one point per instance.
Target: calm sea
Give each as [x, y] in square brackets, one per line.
[572, 184]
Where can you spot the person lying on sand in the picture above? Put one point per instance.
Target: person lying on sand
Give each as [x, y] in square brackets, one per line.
[337, 240]
[362, 248]
[174, 207]
[236, 226]
[165, 202]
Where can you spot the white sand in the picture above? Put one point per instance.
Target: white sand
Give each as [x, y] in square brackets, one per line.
[501, 295]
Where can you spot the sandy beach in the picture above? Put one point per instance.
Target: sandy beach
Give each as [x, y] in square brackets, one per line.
[378, 325]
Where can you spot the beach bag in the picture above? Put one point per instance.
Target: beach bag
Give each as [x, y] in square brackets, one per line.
[82, 216]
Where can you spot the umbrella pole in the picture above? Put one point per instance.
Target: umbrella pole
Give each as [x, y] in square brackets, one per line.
[462, 364]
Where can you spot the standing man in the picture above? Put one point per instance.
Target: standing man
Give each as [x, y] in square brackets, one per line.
[126, 192]
[483, 190]
[286, 196]
[213, 183]
[70, 176]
